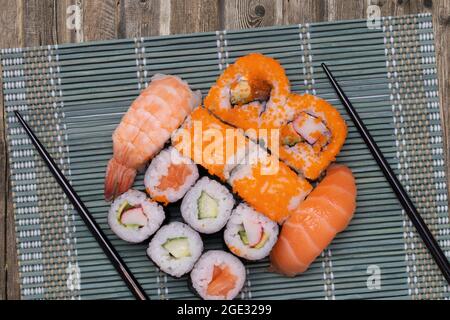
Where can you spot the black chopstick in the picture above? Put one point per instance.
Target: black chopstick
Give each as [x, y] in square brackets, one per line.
[403, 197]
[107, 247]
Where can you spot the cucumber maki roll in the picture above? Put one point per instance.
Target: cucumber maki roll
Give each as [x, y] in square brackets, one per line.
[175, 248]
[133, 217]
[250, 234]
[207, 206]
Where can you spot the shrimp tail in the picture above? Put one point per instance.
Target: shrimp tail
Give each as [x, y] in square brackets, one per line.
[119, 179]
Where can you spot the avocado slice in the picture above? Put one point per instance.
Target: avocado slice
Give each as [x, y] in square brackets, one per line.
[262, 242]
[177, 247]
[123, 207]
[243, 236]
[207, 206]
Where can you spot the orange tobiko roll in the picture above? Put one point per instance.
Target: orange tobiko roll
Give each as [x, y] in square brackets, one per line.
[251, 93]
[310, 141]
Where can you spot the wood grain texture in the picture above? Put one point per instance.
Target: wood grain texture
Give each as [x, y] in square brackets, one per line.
[9, 287]
[303, 11]
[39, 22]
[99, 19]
[139, 18]
[240, 14]
[193, 16]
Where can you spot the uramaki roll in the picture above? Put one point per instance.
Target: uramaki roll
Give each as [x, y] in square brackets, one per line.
[264, 182]
[314, 136]
[251, 93]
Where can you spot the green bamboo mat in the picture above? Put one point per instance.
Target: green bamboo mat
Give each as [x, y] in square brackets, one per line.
[74, 95]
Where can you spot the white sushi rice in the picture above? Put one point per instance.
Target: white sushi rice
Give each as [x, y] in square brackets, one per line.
[164, 260]
[190, 210]
[159, 167]
[235, 224]
[203, 270]
[153, 211]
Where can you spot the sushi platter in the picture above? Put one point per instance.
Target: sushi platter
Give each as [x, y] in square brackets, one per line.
[223, 166]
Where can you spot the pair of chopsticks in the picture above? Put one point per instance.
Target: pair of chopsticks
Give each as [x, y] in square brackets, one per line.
[128, 277]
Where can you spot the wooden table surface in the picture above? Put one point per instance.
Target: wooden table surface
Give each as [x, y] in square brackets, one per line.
[40, 22]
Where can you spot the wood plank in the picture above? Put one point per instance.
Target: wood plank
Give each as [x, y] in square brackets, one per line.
[9, 287]
[38, 23]
[139, 18]
[240, 14]
[303, 11]
[65, 26]
[100, 19]
[343, 10]
[188, 16]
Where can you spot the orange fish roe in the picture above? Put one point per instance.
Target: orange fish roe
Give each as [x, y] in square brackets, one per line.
[210, 143]
[268, 185]
[256, 78]
[275, 195]
[312, 159]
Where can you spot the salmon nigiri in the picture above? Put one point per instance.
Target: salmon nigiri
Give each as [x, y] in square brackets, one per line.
[310, 229]
[146, 127]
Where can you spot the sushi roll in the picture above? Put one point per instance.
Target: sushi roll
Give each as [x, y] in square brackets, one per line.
[218, 275]
[268, 185]
[250, 234]
[169, 176]
[175, 248]
[315, 135]
[133, 217]
[251, 93]
[211, 143]
[207, 206]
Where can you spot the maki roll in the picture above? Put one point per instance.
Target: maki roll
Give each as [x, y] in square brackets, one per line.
[175, 248]
[218, 275]
[133, 217]
[207, 206]
[210, 143]
[250, 234]
[251, 93]
[269, 185]
[169, 176]
[315, 135]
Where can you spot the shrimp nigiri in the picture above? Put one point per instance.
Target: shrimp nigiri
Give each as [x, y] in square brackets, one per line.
[146, 127]
[310, 229]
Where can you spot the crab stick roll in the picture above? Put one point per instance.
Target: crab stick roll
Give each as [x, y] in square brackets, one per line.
[207, 206]
[175, 248]
[251, 93]
[269, 185]
[250, 234]
[307, 232]
[169, 176]
[218, 275]
[133, 217]
[210, 143]
[314, 136]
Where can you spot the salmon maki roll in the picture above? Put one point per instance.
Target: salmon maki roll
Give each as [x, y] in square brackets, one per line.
[251, 93]
[144, 129]
[169, 176]
[315, 135]
[310, 229]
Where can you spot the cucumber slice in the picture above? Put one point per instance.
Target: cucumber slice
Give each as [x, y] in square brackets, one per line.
[262, 242]
[243, 236]
[207, 206]
[178, 247]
